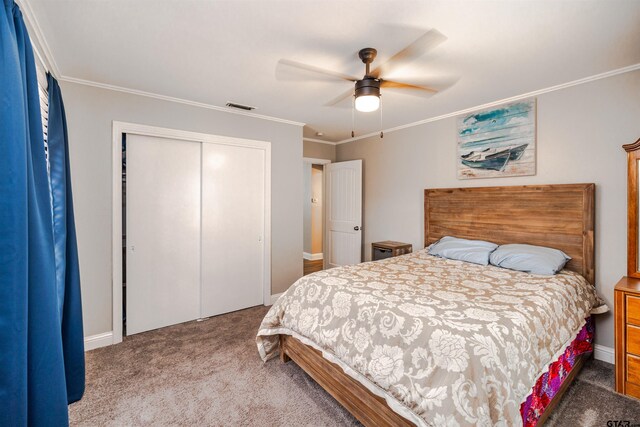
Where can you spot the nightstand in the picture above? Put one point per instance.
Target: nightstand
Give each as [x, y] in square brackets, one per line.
[627, 335]
[388, 249]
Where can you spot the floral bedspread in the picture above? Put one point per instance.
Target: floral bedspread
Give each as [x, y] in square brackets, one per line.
[444, 342]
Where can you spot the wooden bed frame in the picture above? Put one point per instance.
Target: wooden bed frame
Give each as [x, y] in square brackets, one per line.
[560, 216]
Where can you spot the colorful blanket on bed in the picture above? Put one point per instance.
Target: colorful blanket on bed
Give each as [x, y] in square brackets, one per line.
[548, 385]
[444, 342]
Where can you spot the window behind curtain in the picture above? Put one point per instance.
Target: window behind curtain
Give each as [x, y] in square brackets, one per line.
[41, 71]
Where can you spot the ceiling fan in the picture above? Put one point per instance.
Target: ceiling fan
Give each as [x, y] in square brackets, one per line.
[367, 89]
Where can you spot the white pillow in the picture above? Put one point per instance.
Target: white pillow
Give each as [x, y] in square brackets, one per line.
[530, 259]
[475, 251]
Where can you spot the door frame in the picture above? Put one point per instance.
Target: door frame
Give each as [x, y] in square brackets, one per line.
[324, 163]
[120, 128]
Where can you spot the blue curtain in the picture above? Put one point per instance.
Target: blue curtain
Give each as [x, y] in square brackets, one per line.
[65, 245]
[33, 387]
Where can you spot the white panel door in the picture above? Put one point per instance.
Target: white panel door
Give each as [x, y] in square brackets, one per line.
[163, 232]
[233, 192]
[344, 213]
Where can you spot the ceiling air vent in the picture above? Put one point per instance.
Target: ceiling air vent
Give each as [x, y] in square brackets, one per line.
[240, 106]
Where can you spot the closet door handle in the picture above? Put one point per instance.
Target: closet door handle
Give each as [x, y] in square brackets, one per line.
[356, 228]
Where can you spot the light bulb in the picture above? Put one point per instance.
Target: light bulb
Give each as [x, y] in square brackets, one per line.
[367, 103]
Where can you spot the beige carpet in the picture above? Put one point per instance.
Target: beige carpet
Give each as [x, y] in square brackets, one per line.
[204, 373]
[209, 374]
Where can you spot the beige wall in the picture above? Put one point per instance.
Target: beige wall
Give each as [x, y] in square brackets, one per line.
[318, 150]
[306, 207]
[316, 208]
[580, 133]
[313, 233]
[90, 112]
[312, 212]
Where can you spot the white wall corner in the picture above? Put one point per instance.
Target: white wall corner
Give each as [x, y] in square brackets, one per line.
[603, 353]
[275, 297]
[312, 257]
[99, 340]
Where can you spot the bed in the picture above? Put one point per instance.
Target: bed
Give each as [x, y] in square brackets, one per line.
[495, 336]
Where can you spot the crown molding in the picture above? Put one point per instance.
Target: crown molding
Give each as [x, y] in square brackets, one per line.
[589, 79]
[174, 99]
[42, 49]
[319, 141]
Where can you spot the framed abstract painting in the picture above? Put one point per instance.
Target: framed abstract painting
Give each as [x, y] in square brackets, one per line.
[498, 141]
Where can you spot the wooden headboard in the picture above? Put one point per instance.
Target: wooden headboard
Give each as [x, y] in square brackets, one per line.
[558, 216]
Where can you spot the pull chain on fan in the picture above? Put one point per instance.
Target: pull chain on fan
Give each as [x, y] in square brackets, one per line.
[381, 134]
[353, 119]
[353, 116]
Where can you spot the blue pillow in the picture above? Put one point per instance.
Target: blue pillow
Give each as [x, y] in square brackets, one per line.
[475, 251]
[530, 259]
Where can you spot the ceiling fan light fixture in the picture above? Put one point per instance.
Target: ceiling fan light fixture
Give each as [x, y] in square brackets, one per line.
[367, 103]
[367, 95]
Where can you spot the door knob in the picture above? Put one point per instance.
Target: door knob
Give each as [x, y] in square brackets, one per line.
[356, 228]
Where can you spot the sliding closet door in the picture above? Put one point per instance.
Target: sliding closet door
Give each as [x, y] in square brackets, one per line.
[233, 192]
[163, 232]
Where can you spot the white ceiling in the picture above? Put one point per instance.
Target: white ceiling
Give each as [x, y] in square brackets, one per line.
[219, 51]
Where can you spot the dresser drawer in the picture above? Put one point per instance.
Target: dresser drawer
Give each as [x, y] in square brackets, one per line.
[633, 310]
[633, 390]
[633, 340]
[633, 369]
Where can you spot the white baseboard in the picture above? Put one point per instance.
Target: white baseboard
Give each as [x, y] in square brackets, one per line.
[98, 340]
[275, 297]
[603, 353]
[312, 257]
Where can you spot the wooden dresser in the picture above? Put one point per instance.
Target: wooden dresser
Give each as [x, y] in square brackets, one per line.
[627, 292]
[627, 318]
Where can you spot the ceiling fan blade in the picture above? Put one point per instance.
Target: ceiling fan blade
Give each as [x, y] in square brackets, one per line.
[398, 85]
[340, 101]
[428, 87]
[286, 67]
[419, 47]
